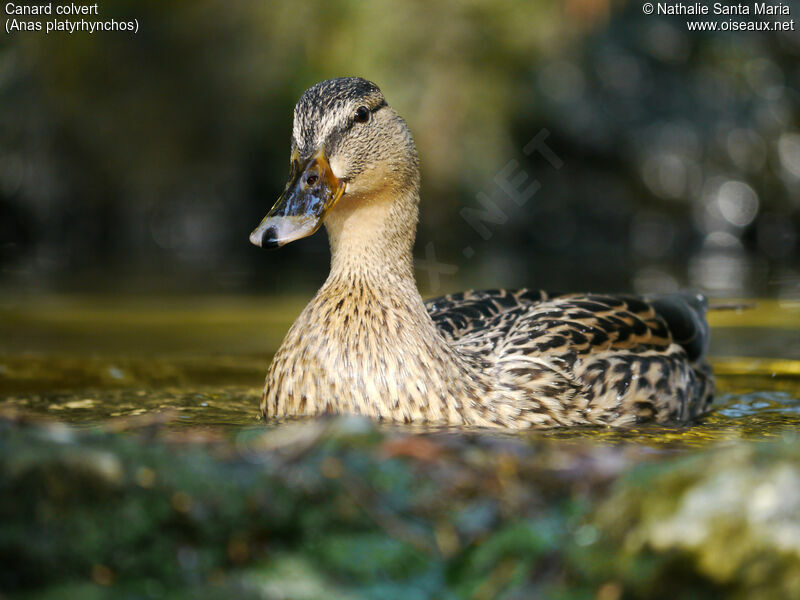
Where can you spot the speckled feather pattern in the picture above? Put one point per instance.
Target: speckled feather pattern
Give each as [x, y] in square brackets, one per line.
[367, 344]
[495, 359]
[585, 358]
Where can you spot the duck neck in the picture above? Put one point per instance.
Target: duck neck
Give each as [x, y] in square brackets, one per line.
[372, 260]
[372, 239]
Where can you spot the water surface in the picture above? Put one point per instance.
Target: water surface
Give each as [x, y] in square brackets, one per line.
[200, 363]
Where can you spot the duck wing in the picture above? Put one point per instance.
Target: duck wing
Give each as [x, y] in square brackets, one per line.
[623, 359]
[459, 314]
[591, 321]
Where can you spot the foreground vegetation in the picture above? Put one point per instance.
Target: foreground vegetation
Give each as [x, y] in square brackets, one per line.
[341, 508]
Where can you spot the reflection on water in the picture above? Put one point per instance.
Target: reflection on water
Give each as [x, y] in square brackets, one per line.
[749, 405]
[217, 407]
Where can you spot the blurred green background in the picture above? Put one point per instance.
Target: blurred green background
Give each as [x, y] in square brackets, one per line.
[141, 162]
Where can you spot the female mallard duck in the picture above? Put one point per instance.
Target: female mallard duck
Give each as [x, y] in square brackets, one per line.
[367, 343]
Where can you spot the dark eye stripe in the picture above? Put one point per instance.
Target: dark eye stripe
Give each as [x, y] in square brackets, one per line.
[336, 135]
[373, 110]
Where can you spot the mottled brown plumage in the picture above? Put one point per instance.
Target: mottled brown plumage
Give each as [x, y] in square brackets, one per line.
[367, 344]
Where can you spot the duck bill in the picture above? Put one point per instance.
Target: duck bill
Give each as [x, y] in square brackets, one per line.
[312, 191]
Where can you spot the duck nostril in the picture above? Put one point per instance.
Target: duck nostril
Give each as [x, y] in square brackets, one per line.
[311, 179]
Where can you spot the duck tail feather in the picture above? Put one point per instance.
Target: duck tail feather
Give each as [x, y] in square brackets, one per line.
[685, 315]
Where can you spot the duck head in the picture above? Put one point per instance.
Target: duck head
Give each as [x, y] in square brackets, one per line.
[347, 145]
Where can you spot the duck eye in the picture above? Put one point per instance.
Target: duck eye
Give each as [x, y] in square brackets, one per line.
[362, 114]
